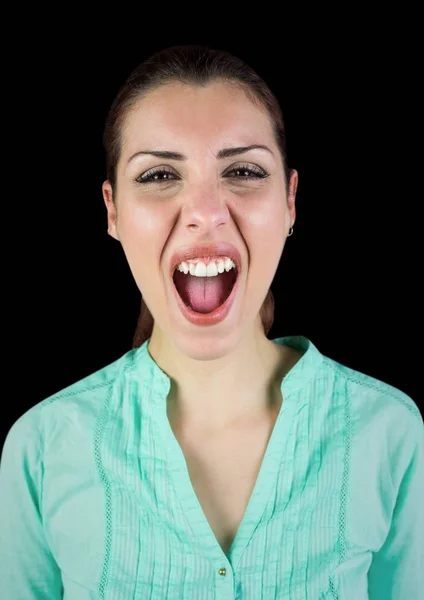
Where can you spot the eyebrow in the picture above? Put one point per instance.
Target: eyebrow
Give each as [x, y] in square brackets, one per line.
[225, 153]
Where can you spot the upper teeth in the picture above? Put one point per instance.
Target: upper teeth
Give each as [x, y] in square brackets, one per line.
[199, 269]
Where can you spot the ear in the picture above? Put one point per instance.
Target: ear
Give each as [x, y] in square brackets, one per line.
[294, 179]
[111, 209]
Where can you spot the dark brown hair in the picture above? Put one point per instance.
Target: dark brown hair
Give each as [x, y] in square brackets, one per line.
[193, 65]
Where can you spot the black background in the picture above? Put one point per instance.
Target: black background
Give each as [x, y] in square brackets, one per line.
[351, 274]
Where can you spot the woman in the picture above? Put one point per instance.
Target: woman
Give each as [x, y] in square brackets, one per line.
[210, 461]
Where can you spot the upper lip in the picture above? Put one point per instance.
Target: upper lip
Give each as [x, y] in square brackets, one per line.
[202, 250]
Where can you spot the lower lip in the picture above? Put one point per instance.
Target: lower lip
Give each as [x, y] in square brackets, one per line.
[211, 318]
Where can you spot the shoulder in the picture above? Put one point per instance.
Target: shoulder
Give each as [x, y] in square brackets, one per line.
[381, 419]
[74, 409]
[371, 396]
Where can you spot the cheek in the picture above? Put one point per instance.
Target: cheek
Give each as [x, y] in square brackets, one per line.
[143, 232]
[269, 212]
[264, 226]
[141, 221]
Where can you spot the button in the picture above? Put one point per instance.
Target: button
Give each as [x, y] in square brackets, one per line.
[222, 571]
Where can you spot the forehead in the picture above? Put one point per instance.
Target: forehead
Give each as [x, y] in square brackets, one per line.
[212, 116]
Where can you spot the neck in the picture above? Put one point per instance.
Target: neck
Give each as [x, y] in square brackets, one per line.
[242, 382]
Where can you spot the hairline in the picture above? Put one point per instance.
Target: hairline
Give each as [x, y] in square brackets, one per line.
[132, 103]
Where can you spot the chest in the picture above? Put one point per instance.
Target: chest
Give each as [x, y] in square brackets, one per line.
[223, 471]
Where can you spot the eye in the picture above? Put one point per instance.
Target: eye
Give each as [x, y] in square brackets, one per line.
[246, 172]
[157, 175]
[163, 174]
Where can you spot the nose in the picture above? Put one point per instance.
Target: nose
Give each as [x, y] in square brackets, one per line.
[204, 209]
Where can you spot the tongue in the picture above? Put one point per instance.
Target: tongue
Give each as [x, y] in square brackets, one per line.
[204, 294]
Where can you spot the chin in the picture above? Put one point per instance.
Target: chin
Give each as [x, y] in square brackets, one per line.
[216, 342]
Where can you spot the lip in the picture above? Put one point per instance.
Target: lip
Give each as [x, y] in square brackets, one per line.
[213, 317]
[202, 251]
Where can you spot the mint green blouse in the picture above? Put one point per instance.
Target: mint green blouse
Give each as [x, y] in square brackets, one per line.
[96, 500]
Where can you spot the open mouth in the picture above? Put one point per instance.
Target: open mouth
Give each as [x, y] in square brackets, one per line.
[205, 294]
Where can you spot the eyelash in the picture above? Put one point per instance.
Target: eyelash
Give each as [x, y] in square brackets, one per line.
[148, 177]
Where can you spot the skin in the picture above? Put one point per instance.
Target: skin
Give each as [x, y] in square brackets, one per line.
[227, 373]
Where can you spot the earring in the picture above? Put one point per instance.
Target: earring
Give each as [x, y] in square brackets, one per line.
[290, 232]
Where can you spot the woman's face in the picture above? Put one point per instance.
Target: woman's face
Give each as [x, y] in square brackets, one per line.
[200, 197]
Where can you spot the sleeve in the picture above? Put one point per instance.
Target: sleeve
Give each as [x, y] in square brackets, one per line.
[28, 570]
[397, 569]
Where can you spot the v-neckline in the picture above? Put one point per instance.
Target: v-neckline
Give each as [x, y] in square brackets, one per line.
[280, 448]
[258, 499]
